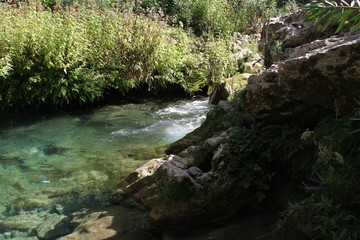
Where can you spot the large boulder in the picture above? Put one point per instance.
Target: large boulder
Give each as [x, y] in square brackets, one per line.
[208, 177]
[318, 75]
[174, 189]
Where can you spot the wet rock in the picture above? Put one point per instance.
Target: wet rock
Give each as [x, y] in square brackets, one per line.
[2, 210]
[25, 238]
[19, 234]
[25, 221]
[53, 226]
[44, 224]
[11, 161]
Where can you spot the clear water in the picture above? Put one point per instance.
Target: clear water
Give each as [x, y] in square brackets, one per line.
[77, 157]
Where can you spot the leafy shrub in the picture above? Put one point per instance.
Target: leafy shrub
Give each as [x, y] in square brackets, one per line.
[331, 209]
[75, 55]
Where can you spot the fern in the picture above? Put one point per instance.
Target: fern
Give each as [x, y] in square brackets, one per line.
[324, 11]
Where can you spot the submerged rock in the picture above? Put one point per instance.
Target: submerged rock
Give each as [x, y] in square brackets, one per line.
[53, 226]
[115, 222]
[45, 225]
[11, 161]
[51, 149]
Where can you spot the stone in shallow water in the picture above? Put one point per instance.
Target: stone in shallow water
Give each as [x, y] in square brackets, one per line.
[51, 149]
[11, 161]
[25, 238]
[53, 226]
[46, 225]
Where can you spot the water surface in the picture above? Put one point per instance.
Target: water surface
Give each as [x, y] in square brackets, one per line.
[72, 158]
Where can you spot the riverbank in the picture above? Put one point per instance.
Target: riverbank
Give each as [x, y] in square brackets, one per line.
[288, 139]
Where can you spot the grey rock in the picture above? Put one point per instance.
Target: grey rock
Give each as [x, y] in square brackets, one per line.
[214, 142]
[225, 105]
[173, 193]
[281, 35]
[320, 73]
[187, 152]
[194, 172]
[220, 155]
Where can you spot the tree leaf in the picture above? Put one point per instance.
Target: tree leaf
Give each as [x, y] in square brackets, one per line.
[355, 27]
[344, 14]
[354, 18]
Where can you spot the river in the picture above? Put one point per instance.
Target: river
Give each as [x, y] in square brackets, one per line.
[75, 159]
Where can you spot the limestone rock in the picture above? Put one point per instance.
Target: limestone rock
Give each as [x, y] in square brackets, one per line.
[146, 170]
[281, 35]
[174, 192]
[322, 75]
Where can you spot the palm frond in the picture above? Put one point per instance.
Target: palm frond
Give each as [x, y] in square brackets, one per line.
[325, 12]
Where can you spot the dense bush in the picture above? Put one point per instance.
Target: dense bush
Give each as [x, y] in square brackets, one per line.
[218, 17]
[331, 209]
[60, 52]
[74, 55]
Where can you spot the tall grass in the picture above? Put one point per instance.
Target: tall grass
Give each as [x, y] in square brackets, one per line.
[60, 53]
[74, 55]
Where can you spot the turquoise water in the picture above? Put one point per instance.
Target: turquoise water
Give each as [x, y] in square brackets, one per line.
[79, 157]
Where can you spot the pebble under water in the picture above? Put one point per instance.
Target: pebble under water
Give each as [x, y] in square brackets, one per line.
[73, 160]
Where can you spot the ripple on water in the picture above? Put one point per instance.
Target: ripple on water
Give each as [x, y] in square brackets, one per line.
[67, 158]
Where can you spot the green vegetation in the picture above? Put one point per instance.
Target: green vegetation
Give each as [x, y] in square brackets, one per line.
[313, 173]
[331, 209]
[67, 53]
[329, 11]
[73, 56]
